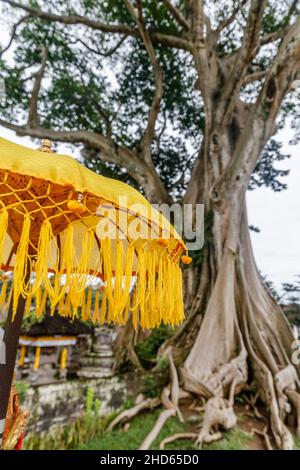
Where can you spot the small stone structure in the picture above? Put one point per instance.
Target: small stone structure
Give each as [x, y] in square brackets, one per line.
[99, 362]
[89, 365]
[50, 350]
[61, 402]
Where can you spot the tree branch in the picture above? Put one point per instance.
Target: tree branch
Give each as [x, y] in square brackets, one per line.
[158, 77]
[176, 13]
[243, 58]
[95, 50]
[109, 151]
[13, 33]
[200, 50]
[227, 21]
[260, 124]
[254, 77]
[165, 39]
[33, 118]
[271, 37]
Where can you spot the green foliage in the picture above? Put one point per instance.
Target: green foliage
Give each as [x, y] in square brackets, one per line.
[146, 349]
[68, 437]
[90, 84]
[150, 389]
[89, 426]
[291, 299]
[89, 402]
[297, 443]
[31, 320]
[163, 364]
[129, 403]
[22, 388]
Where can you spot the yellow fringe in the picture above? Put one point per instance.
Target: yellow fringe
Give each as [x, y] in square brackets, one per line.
[3, 230]
[88, 307]
[95, 317]
[154, 297]
[103, 311]
[28, 305]
[3, 294]
[22, 264]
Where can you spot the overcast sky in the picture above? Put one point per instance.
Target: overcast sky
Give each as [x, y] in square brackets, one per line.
[277, 246]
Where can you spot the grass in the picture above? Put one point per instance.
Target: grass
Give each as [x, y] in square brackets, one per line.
[142, 425]
[236, 439]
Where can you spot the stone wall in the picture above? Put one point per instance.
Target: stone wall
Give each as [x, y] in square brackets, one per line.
[60, 403]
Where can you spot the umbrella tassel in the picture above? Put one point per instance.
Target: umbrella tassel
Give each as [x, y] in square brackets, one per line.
[118, 281]
[103, 311]
[68, 257]
[107, 268]
[3, 294]
[141, 288]
[127, 277]
[21, 265]
[44, 258]
[160, 292]
[28, 305]
[95, 318]
[135, 310]
[3, 230]
[89, 304]
[126, 311]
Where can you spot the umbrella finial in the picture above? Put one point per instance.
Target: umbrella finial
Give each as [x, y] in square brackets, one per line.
[46, 146]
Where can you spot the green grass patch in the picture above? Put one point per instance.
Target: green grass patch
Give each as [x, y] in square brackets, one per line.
[141, 425]
[236, 439]
[139, 428]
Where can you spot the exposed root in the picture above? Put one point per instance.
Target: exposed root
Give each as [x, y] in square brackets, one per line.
[170, 400]
[126, 415]
[175, 437]
[294, 398]
[251, 402]
[265, 435]
[218, 414]
[243, 328]
[174, 386]
[166, 414]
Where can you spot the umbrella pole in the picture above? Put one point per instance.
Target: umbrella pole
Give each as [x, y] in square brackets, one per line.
[11, 342]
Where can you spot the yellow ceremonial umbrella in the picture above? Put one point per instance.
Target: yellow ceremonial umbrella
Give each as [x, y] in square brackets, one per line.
[62, 225]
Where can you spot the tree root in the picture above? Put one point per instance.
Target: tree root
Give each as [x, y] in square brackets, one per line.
[265, 435]
[175, 437]
[126, 415]
[294, 398]
[170, 400]
[166, 414]
[218, 414]
[245, 335]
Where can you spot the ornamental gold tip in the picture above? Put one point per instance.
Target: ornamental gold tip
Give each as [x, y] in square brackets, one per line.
[186, 259]
[46, 146]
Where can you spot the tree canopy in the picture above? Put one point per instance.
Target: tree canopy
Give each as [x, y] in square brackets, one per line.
[124, 71]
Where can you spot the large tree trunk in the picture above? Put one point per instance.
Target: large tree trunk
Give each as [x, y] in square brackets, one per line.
[235, 332]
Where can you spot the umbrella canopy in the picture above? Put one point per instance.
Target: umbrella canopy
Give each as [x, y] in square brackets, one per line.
[69, 225]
